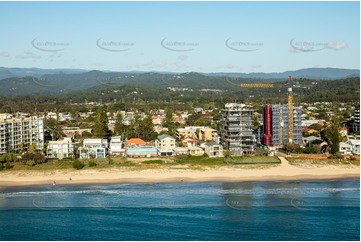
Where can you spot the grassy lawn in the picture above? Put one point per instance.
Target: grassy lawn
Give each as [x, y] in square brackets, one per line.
[321, 162]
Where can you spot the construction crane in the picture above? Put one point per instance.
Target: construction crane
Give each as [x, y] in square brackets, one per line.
[289, 107]
[256, 85]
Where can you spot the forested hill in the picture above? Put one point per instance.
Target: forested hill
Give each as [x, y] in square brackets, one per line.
[304, 90]
[60, 83]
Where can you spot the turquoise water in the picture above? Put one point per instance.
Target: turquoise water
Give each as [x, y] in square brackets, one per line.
[304, 210]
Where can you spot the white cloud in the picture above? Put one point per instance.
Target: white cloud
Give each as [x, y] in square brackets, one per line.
[337, 46]
[28, 55]
[182, 57]
[4, 54]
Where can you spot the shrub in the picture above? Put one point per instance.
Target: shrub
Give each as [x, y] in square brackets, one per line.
[30, 163]
[39, 158]
[100, 162]
[92, 163]
[1, 167]
[78, 165]
[336, 156]
[8, 165]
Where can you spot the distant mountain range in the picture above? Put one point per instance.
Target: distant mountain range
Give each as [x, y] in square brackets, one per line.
[310, 73]
[37, 72]
[28, 81]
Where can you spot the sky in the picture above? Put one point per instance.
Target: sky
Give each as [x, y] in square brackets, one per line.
[180, 36]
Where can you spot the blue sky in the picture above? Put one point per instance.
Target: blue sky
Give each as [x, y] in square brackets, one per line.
[180, 36]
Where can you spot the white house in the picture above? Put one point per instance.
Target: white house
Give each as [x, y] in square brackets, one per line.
[93, 148]
[63, 148]
[180, 151]
[195, 151]
[212, 149]
[355, 144]
[115, 146]
[345, 149]
[165, 145]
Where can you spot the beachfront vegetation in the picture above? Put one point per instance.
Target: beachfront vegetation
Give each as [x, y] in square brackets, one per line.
[181, 162]
[311, 162]
[77, 164]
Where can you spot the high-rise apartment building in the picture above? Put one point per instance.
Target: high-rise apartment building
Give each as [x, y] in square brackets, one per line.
[275, 125]
[18, 132]
[237, 129]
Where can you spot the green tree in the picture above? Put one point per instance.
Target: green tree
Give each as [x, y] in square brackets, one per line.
[53, 128]
[100, 128]
[332, 136]
[119, 127]
[146, 128]
[33, 158]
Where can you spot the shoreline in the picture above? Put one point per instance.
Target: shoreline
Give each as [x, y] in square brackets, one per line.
[283, 172]
[12, 184]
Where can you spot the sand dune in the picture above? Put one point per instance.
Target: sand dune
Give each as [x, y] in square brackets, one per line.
[285, 171]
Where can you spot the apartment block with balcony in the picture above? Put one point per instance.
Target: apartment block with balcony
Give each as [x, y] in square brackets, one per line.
[60, 149]
[93, 148]
[237, 129]
[19, 132]
[165, 145]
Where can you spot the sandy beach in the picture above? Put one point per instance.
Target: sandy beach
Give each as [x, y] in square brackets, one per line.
[285, 171]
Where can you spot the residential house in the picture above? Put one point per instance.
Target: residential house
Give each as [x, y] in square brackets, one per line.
[60, 149]
[93, 148]
[345, 149]
[52, 115]
[165, 145]
[71, 131]
[187, 142]
[134, 142]
[195, 151]
[116, 146]
[311, 140]
[212, 149]
[355, 146]
[180, 150]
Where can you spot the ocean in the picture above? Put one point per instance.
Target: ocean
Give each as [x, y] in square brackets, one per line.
[272, 210]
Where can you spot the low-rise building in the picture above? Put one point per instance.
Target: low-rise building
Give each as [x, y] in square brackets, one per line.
[116, 146]
[165, 145]
[212, 149]
[134, 142]
[187, 142]
[93, 148]
[355, 146]
[195, 151]
[141, 152]
[345, 149]
[60, 149]
[180, 151]
[71, 131]
[206, 133]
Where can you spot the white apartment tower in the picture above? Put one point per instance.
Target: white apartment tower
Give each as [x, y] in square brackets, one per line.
[17, 132]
